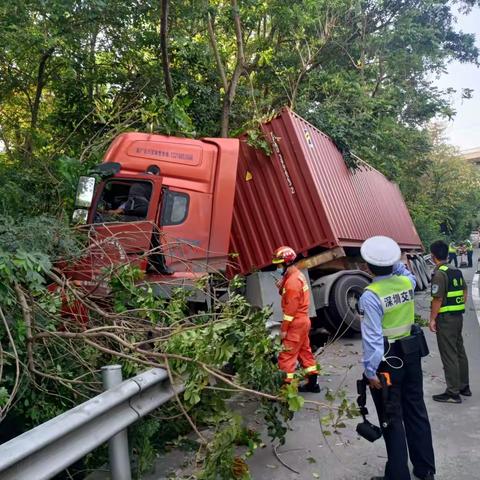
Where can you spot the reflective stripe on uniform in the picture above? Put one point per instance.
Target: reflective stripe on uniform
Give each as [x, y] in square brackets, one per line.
[311, 369]
[305, 288]
[397, 331]
[288, 318]
[455, 293]
[452, 308]
[454, 300]
[290, 375]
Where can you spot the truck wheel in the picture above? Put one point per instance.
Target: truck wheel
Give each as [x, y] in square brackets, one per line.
[428, 270]
[422, 272]
[420, 286]
[343, 302]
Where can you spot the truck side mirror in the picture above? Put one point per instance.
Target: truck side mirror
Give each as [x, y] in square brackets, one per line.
[85, 192]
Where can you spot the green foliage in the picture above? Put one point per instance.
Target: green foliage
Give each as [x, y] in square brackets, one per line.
[257, 139]
[40, 235]
[445, 195]
[334, 420]
[221, 462]
[47, 188]
[4, 396]
[202, 346]
[168, 117]
[422, 322]
[22, 267]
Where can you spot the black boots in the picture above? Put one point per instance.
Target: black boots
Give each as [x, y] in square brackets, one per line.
[311, 386]
[428, 476]
[447, 398]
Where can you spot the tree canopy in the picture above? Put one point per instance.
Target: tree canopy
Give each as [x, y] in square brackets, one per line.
[74, 73]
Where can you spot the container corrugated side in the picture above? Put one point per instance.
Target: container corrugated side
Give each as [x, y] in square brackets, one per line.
[359, 203]
[303, 195]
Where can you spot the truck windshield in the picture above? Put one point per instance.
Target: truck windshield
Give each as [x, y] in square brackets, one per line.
[123, 201]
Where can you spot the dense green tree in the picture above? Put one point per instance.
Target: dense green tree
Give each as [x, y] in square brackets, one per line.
[75, 73]
[447, 194]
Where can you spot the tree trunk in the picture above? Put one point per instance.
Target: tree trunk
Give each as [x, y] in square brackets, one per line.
[36, 102]
[92, 67]
[225, 120]
[216, 53]
[239, 68]
[164, 47]
[229, 87]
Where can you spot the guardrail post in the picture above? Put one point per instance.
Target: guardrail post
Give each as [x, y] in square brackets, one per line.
[118, 445]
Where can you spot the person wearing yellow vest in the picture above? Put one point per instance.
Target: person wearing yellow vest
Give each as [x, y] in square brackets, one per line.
[469, 246]
[387, 308]
[449, 294]
[452, 253]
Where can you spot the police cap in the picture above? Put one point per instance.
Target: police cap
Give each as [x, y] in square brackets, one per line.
[380, 251]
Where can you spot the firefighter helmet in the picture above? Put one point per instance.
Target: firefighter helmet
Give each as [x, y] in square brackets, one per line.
[284, 255]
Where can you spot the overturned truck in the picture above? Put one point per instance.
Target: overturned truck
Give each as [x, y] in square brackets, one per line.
[180, 209]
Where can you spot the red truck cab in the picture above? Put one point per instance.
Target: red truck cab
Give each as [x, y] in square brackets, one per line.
[182, 214]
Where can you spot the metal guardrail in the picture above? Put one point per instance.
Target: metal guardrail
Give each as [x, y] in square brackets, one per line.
[46, 450]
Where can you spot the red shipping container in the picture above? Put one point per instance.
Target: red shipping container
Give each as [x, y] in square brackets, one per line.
[305, 196]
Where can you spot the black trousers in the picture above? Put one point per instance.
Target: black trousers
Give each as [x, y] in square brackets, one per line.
[452, 256]
[408, 432]
[470, 258]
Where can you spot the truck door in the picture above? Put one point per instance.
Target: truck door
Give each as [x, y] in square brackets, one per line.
[185, 219]
[125, 212]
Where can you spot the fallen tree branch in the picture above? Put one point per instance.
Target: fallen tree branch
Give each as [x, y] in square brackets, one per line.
[27, 318]
[182, 408]
[16, 384]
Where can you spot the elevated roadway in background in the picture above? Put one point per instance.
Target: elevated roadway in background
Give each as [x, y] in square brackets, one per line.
[472, 155]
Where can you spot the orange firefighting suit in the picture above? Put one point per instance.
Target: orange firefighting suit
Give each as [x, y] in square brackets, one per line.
[296, 324]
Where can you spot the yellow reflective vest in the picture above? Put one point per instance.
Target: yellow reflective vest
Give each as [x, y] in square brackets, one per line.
[396, 296]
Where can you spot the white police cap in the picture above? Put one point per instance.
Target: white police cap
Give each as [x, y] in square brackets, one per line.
[380, 251]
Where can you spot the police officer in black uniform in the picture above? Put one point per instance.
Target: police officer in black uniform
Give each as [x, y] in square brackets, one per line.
[449, 293]
[392, 348]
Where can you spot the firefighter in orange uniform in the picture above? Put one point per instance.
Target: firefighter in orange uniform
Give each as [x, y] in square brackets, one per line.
[293, 287]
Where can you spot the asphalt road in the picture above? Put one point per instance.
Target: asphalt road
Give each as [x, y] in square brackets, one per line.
[456, 428]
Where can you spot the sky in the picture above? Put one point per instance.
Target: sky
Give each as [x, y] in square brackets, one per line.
[464, 130]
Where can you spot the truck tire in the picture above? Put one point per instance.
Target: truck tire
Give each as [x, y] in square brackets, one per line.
[342, 309]
[420, 286]
[421, 271]
[428, 270]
